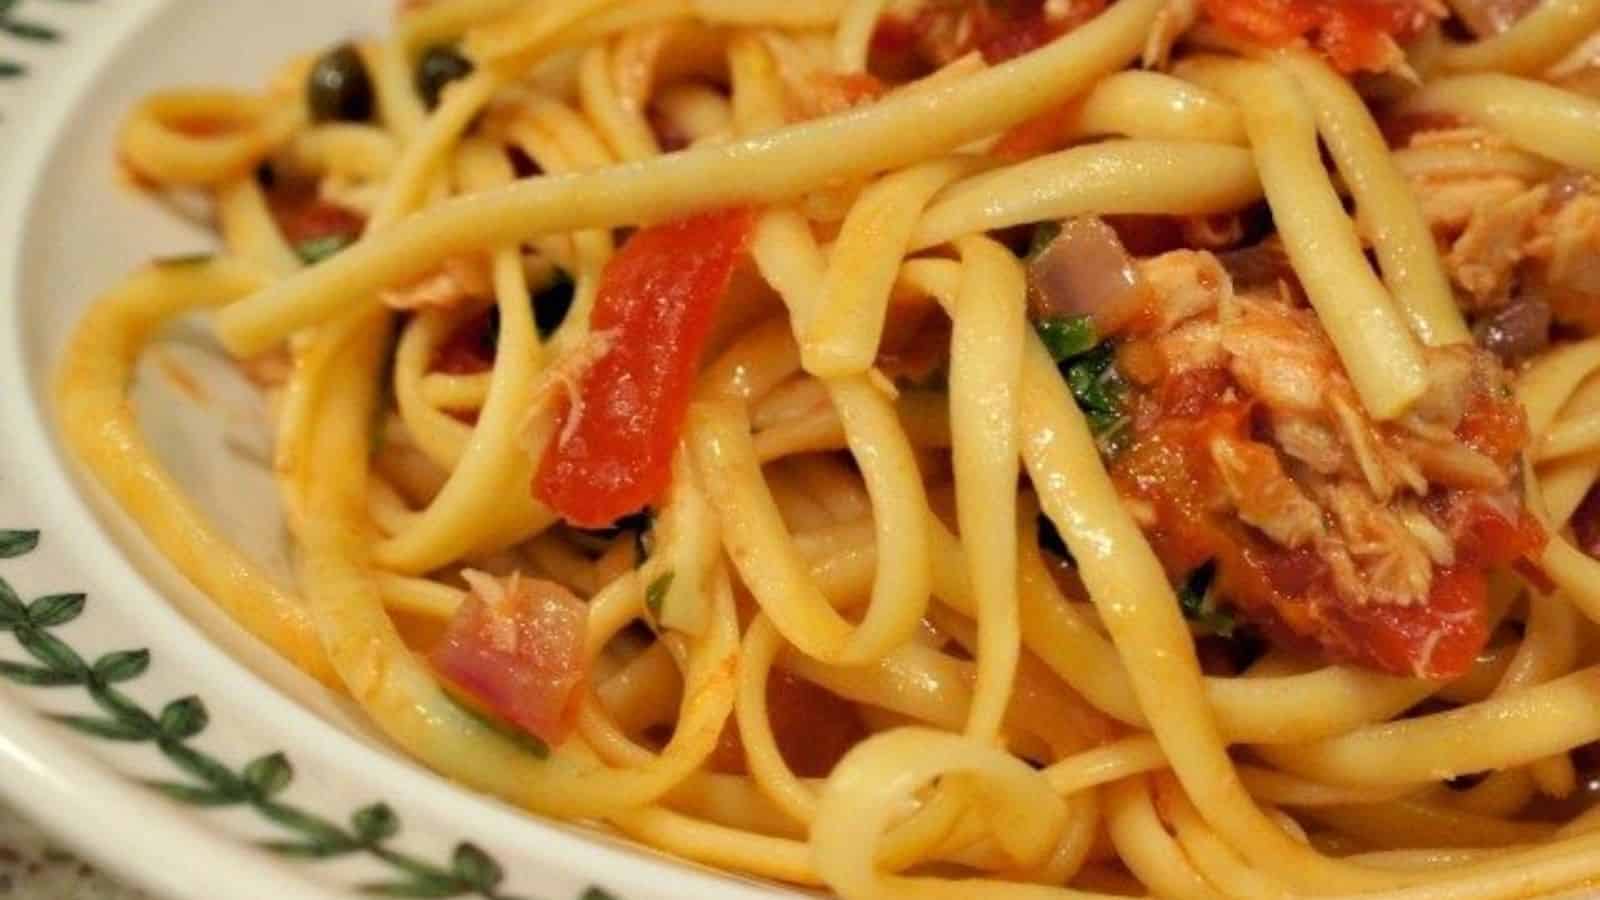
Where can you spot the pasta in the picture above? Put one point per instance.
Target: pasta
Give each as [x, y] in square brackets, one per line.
[928, 448]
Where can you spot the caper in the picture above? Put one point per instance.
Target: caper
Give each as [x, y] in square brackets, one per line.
[340, 90]
[439, 66]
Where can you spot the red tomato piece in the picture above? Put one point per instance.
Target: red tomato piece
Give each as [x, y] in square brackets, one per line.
[658, 299]
[515, 651]
[1438, 639]
[302, 216]
[943, 31]
[320, 220]
[1040, 134]
[1488, 535]
[1289, 593]
[1495, 425]
[1352, 34]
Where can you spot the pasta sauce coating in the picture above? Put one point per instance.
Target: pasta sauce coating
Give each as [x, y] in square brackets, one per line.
[566, 549]
[1355, 35]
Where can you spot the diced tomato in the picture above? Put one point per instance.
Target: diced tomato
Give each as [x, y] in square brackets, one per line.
[1353, 34]
[942, 31]
[1289, 593]
[519, 656]
[303, 216]
[1495, 425]
[855, 88]
[1040, 134]
[657, 301]
[320, 220]
[1438, 639]
[1488, 534]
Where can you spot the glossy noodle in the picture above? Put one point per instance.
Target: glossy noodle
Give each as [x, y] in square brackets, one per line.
[928, 448]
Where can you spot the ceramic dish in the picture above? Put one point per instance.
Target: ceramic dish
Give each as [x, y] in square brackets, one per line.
[137, 722]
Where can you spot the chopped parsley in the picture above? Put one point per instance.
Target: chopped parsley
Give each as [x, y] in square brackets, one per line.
[1067, 337]
[187, 259]
[314, 250]
[1098, 387]
[527, 741]
[1198, 599]
[656, 594]
[1089, 366]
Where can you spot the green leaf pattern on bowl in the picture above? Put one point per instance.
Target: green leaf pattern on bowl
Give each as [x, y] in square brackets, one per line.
[202, 780]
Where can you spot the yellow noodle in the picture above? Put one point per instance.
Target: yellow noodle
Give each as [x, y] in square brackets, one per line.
[837, 509]
[1541, 39]
[1537, 117]
[1378, 352]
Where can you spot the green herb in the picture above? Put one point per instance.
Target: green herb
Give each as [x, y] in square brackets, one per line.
[317, 249]
[1198, 599]
[517, 736]
[28, 31]
[656, 594]
[1102, 394]
[1090, 367]
[186, 259]
[1067, 336]
[176, 729]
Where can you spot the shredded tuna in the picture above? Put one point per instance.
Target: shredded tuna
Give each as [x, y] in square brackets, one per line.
[1190, 284]
[455, 282]
[1513, 244]
[1396, 569]
[1485, 257]
[1290, 450]
[1264, 496]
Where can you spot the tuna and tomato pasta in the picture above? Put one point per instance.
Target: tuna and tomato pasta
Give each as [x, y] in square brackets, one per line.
[928, 448]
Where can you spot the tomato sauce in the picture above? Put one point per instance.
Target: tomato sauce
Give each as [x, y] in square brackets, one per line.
[1289, 593]
[1353, 34]
[943, 31]
[658, 300]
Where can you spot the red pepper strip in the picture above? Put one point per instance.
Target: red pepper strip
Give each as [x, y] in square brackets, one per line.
[658, 299]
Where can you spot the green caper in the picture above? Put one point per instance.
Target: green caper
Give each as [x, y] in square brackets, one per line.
[439, 66]
[340, 90]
